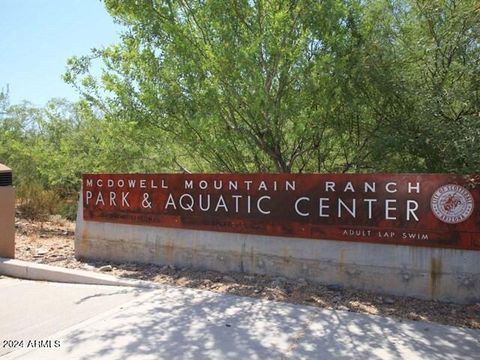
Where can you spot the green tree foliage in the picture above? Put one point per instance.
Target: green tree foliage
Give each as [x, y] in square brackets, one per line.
[272, 85]
[55, 144]
[443, 77]
[50, 147]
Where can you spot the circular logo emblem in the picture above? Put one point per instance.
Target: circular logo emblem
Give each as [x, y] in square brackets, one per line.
[452, 203]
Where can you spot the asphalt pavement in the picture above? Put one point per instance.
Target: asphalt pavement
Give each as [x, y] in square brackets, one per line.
[46, 320]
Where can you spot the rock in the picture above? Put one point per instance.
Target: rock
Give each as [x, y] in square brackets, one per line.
[249, 277]
[379, 299]
[276, 284]
[228, 278]
[474, 308]
[279, 282]
[302, 282]
[343, 308]
[171, 267]
[88, 267]
[335, 287]
[256, 291]
[106, 268]
[42, 251]
[389, 301]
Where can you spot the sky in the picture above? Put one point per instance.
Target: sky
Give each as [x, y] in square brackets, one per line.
[38, 36]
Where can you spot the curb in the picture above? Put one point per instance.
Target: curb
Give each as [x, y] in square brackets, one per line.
[34, 271]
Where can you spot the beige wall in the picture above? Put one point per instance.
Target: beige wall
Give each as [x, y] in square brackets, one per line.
[7, 221]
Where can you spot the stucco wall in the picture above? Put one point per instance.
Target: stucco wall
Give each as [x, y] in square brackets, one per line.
[7, 221]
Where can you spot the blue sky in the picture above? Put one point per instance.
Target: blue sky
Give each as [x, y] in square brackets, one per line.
[38, 36]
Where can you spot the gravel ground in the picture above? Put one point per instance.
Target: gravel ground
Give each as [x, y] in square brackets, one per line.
[52, 243]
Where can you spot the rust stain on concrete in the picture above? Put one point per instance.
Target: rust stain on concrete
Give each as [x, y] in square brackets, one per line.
[194, 252]
[341, 259]
[168, 250]
[285, 255]
[85, 240]
[435, 275]
[253, 263]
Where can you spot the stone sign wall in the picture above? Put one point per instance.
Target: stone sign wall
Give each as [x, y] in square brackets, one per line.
[409, 234]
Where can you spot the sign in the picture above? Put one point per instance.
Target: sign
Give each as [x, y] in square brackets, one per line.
[405, 209]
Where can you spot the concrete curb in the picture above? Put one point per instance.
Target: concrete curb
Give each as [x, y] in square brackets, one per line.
[33, 271]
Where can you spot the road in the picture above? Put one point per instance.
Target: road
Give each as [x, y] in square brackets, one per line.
[106, 322]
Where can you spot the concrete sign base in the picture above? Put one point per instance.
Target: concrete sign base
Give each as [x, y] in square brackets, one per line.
[427, 273]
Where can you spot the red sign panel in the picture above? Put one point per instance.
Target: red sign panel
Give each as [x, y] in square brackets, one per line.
[406, 209]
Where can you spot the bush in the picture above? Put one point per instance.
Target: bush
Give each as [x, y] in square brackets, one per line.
[36, 203]
[69, 210]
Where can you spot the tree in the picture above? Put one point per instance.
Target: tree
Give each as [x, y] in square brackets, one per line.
[52, 146]
[243, 86]
[444, 73]
[302, 86]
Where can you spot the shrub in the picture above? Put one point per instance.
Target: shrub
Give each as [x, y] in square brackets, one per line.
[36, 203]
[69, 210]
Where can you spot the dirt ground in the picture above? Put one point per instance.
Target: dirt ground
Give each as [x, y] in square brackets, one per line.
[52, 243]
